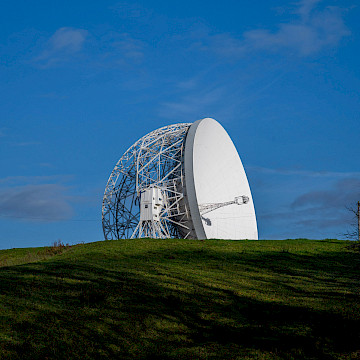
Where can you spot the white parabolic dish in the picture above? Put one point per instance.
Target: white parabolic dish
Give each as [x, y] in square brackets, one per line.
[214, 174]
[180, 181]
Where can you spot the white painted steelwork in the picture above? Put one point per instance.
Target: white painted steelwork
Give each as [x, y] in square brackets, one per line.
[168, 180]
[154, 161]
[239, 200]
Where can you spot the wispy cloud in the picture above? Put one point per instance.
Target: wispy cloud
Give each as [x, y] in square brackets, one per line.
[52, 95]
[64, 43]
[113, 50]
[307, 173]
[131, 10]
[194, 105]
[46, 164]
[305, 7]
[308, 203]
[43, 202]
[125, 48]
[67, 39]
[20, 180]
[326, 209]
[314, 29]
[344, 192]
[26, 143]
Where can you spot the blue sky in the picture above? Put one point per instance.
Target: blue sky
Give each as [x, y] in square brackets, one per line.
[81, 81]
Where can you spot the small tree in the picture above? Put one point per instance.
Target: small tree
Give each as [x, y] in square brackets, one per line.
[354, 233]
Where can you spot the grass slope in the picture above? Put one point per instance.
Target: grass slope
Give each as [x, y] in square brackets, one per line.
[178, 299]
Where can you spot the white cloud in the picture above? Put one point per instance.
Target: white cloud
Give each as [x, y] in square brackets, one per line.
[305, 37]
[305, 7]
[62, 44]
[68, 39]
[314, 29]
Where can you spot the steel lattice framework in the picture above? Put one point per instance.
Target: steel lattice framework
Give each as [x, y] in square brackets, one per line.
[155, 160]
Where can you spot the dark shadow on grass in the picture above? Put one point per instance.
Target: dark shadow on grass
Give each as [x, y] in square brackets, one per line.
[143, 308]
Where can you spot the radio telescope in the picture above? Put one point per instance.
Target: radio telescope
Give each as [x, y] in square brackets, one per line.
[180, 181]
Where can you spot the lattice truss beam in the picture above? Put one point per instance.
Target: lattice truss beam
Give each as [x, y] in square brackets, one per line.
[206, 208]
[155, 160]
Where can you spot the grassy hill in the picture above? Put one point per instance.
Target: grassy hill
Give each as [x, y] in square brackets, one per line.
[179, 299]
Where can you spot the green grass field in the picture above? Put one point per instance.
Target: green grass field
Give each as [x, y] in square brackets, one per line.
[181, 299]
